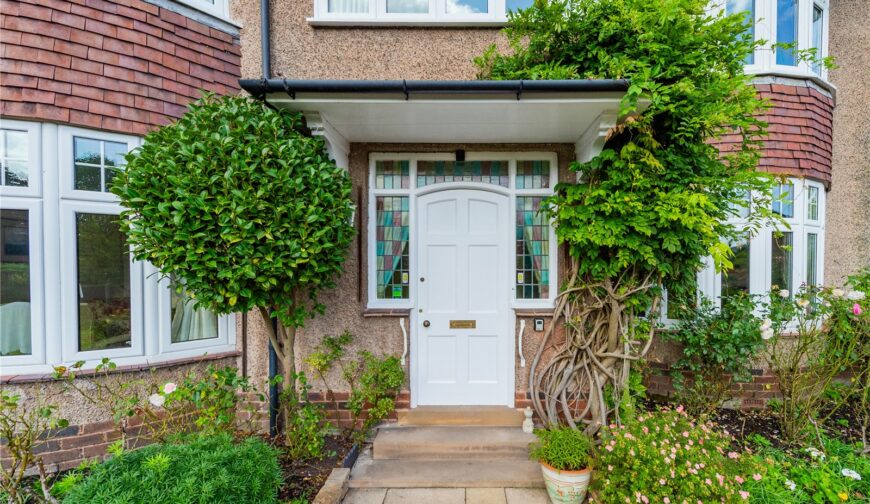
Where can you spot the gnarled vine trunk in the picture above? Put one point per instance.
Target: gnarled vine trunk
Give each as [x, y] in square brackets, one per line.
[583, 382]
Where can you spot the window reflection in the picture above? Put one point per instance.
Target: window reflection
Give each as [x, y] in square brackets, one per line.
[748, 8]
[786, 31]
[14, 282]
[736, 280]
[781, 261]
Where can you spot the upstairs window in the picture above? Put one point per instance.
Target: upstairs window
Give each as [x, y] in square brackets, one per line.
[416, 11]
[818, 39]
[786, 31]
[747, 7]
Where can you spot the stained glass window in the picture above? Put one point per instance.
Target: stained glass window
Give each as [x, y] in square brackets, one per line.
[533, 249]
[392, 175]
[393, 261]
[437, 172]
[533, 174]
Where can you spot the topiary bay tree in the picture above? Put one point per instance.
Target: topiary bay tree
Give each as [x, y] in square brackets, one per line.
[244, 210]
[657, 199]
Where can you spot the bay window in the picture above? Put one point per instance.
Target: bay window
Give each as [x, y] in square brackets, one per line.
[62, 229]
[422, 12]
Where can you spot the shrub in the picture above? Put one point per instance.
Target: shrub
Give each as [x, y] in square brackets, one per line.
[242, 206]
[562, 448]
[667, 457]
[213, 398]
[718, 347]
[308, 427]
[206, 470]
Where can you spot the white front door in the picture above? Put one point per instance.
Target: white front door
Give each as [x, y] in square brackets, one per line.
[464, 350]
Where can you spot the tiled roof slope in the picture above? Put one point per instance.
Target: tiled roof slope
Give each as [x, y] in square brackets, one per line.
[124, 65]
[800, 122]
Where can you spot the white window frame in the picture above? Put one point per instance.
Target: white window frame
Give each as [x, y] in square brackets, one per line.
[37, 299]
[34, 159]
[511, 191]
[377, 15]
[220, 8]
[53, 203]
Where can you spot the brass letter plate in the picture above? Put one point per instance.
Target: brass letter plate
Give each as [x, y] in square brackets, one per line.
[463, 324]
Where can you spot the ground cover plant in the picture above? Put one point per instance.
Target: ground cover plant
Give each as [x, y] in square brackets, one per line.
[205, 469]
[656, 200]
[241, 206]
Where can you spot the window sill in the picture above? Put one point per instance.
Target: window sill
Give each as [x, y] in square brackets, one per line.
[47, 376]
[401, 23]
[386, 312]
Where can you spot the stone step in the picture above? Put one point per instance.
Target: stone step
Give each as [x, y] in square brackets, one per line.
[457, 473]
[438, 443]
[497, 416]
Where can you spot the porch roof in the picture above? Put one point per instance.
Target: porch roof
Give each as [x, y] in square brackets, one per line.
[403, 111]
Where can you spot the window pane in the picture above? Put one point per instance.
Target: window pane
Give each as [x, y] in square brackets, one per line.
[812, 258]
[515, 5]
[467, 6]
[741, 210]
[393, 261]
[188, 323]
[392, 175]
[408, 6]
[103, 265]
[87, 178]
[115, 153]
[438, 172]
[13, 157]
[818, 19]
[747, 7]
[533, 174]
[786, 31]
[87, 151]
[14, 282]
[813, 203]
[783, 200]
[680, 303]
[348, 6]
[533, 249]
[736, 279]
[781, 262]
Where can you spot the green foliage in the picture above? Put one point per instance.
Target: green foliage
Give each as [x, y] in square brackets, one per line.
[718, 346]
[562, 448]
[380, 380]
[307, 425]
[657, 198]
[213, 398]
[240, 206]
[811, 476]
[667, 454]
[206, 470]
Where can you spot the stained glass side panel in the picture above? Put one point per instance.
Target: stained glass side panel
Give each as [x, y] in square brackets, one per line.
[392, 249]
[533, 249]
[533, 174]
[392, 175]
[439, 172]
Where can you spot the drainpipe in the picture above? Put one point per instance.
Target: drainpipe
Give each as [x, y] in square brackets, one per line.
[265, 47]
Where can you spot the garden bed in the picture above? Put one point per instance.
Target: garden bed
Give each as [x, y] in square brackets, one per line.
[303, 478]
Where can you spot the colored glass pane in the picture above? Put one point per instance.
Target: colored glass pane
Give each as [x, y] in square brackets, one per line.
[392, 175]
[439, 172]
[532, 249]
[533, 174]
[392, 248]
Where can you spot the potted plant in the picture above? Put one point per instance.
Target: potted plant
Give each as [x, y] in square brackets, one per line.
[565, 455]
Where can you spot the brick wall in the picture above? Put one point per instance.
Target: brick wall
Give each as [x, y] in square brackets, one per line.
[800, 123]
[340, 416]
[753, 394]
[124, 65]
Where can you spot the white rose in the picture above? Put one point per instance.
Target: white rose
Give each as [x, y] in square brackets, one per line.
[851, 474]
[790, 485]
[784, 293]
[156, 400]
[803, 303]
[856, 295]
[838, 293]
[169, 388]
[766, 334]
[766, 324]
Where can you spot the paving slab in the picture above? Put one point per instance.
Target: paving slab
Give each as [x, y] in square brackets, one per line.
[365, 496]
[425, 496]
[484, 496]
[526, 496]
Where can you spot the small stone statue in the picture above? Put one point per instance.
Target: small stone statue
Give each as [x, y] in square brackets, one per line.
[528, 424]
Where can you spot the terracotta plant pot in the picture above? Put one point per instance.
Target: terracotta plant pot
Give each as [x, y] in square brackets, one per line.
[566, 487]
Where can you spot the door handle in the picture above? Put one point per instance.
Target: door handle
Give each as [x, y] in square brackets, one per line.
[426, 323]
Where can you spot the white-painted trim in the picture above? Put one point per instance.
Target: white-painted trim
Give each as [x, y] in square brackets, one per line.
[377, 15]
[34, 158]
[67, 163]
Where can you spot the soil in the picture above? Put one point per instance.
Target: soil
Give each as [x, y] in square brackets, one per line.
[304, 478]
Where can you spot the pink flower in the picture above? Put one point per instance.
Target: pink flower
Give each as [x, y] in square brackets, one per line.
[708, 482]
[609, 448]
[738, 479]
[744, 494]
[169, 388]
[756, 477]
[667, 500]
[732, 455]
[645, 499]
[662, 481]
[856, 309]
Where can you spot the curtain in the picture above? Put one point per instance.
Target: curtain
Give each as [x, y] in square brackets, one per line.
[348, 6]
[189, 324]
[15, 328]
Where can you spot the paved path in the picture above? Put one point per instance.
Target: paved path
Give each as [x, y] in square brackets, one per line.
[446, 496]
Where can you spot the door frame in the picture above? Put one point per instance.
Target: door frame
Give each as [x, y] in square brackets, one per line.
[412, 192]
[510, 325]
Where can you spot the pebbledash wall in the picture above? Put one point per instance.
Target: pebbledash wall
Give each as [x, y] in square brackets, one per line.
[366, 42]
[81, 82]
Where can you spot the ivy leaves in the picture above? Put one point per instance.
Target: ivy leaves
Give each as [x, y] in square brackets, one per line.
[240, 206]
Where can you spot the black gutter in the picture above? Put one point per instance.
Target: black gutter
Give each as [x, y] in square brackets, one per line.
[261, 87]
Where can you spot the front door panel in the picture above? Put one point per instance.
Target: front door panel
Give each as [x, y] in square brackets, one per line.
[465, 343]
